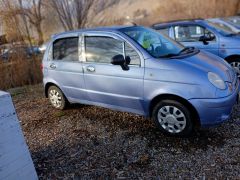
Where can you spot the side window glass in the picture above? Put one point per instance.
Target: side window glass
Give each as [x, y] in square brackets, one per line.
[129, 51]
[66, 49]
[164, 31]
[188, 33]
[102, 49]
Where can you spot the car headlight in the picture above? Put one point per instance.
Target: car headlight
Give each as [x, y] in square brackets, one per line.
[216, 80]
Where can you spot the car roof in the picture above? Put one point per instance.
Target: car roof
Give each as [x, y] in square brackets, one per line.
[172, 23]
[216, 19]
[99, 29]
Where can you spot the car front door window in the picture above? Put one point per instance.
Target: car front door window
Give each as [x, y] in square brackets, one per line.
[102, 49]
[190, 33]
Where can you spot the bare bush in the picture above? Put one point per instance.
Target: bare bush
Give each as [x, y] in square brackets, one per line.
[19, 71]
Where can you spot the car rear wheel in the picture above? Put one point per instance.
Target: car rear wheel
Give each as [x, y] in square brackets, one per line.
[173, 118]
[57, 98]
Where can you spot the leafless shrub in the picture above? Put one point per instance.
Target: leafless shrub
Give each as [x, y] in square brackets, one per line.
[19, 71]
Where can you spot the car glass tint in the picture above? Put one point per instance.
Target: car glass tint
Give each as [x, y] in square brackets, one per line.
[66, 49]
[102, 49]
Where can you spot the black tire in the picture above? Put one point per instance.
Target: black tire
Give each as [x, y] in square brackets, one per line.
[235, 63]
[61, 96]
[187, 128]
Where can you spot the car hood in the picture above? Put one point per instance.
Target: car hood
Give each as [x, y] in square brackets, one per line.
[208, 62]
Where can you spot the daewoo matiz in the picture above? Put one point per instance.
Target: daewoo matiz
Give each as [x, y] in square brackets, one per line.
[136, 69]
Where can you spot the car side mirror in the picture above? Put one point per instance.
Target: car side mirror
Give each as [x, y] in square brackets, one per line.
[121, 61]
[205, 39]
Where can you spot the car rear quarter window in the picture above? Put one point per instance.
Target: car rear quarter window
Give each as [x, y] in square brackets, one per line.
[66, 49]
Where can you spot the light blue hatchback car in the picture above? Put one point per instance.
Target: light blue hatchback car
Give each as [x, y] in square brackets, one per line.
[136, 69]
[209, 35]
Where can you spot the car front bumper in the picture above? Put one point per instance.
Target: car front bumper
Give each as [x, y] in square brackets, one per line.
[215, 111]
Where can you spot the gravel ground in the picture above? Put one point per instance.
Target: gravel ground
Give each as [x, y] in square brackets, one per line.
[87, 142]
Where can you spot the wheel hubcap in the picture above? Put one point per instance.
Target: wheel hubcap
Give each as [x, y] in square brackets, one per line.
[171, 119]
[236, 66]
[55, 98]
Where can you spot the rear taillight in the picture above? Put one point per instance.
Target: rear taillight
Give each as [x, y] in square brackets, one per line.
[41, 66]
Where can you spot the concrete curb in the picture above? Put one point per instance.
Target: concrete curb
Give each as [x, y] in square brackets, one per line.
[15, 159]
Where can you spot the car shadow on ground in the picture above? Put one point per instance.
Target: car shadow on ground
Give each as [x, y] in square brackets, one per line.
[201, 138]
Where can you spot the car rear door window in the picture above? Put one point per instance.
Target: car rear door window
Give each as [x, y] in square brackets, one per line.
[66, 49]
[102, 49]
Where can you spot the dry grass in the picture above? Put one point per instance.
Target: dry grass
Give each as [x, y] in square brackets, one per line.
[154, 11]
[19, 71]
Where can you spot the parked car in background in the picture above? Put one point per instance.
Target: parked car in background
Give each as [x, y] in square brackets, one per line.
[136, 69]
[205, 35]
[234, 20]
[4, 48]
[224, 24]
[17, 51]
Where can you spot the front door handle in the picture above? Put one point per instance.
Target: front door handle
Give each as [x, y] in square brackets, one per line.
[53, 66]
[90, 69]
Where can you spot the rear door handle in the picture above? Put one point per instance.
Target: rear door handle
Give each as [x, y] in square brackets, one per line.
[53, 66]
[90, 69]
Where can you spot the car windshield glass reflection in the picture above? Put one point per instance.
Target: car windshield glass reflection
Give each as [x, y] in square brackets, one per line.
[233, 20]
[223, 29]
[154, 43]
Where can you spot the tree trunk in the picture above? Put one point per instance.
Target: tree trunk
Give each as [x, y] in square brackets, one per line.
[40, 34]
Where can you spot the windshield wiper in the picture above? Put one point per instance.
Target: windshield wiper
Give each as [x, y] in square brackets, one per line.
[186, 49]
[168, 55]
[233, 34]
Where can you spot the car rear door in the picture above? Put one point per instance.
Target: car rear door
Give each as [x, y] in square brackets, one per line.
[109, 85]
[189, 34]
[65, 67]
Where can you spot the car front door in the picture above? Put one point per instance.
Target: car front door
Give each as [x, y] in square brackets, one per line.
[189, 36]
[65, 67]
[109, 85]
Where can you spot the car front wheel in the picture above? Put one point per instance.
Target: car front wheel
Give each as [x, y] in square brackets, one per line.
[173, 118]
[236, 66]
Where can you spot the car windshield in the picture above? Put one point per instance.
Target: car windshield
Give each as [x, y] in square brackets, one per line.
[233, 20]
[156, 44]
[223, 29]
